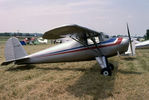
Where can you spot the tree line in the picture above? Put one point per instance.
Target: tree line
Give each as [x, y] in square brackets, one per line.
[21, 34]
[147, 35]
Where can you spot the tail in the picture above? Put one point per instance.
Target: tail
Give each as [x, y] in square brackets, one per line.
[14, 51]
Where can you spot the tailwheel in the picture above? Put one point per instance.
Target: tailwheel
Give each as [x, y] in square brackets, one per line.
[111, 66]
[106, 72]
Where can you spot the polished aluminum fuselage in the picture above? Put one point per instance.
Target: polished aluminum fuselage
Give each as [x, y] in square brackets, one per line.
[74, 51]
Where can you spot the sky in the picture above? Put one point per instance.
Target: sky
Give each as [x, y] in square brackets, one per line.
[109, 16]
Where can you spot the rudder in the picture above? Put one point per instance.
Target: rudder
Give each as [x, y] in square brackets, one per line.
[14, 50]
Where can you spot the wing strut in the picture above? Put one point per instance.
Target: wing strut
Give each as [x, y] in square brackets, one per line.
[84, 44]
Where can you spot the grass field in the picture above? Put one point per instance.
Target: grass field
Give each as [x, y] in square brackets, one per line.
[75, 81]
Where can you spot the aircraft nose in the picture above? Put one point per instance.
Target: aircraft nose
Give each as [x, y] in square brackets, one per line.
[123, 47]
[125, 41]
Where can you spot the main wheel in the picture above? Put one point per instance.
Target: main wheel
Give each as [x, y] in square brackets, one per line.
[106, 72]
[111, 66]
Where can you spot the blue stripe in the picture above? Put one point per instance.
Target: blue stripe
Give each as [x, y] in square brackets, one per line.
[108, 41]
[104, 42]
[66, 50]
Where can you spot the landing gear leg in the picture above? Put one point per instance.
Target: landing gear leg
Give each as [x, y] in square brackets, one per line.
[106, 68]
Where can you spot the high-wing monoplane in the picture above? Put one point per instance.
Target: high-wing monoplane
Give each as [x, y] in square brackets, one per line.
[86, 44]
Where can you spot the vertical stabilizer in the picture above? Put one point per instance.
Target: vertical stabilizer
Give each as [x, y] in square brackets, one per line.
[14, 49]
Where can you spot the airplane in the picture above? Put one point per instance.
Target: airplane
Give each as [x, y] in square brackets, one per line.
[86, 45]
[43, 41]
[142, 45]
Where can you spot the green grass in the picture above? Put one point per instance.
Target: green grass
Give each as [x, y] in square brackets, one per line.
[75, 80]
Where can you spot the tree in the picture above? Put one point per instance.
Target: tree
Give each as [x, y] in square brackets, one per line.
[147, 34]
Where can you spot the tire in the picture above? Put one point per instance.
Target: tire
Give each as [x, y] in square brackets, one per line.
[106, 72]
[111, 66]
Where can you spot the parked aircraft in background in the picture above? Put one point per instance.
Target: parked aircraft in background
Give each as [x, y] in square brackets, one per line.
[142, 45]
[43, 41]
[86, 44]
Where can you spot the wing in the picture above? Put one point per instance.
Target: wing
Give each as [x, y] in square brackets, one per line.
[81, 33]
[69, 29]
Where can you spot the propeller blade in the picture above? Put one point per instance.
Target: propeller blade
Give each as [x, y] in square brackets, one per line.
[130, 39]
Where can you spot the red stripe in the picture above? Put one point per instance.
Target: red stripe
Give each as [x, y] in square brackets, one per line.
[118, 42]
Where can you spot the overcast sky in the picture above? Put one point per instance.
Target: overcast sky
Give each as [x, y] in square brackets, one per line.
[108, 16]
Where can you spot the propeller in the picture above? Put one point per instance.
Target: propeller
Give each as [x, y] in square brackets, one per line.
[130, 39]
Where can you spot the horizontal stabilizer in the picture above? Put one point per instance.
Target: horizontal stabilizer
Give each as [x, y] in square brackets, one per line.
[6, 63]
[17, 61]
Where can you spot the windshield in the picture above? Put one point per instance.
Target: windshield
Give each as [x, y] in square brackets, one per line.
[105, 37]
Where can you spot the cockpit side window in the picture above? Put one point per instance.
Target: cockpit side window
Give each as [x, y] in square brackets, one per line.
[89, 40]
